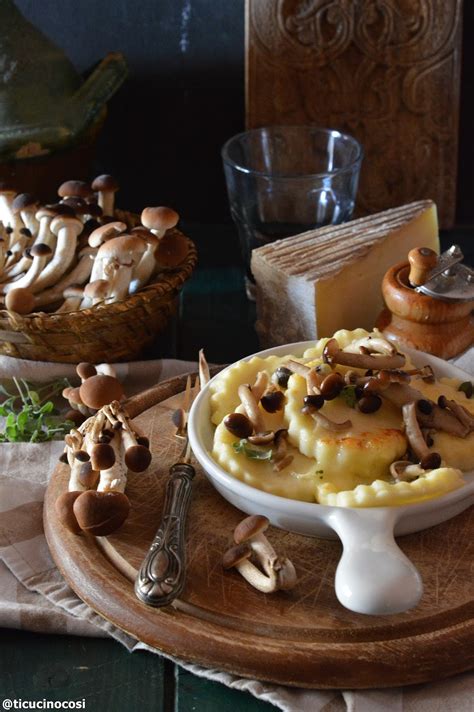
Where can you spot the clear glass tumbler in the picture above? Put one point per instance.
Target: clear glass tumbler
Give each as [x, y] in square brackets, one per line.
[284, 180]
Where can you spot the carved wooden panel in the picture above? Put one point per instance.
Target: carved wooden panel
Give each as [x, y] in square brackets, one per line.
[386, 71]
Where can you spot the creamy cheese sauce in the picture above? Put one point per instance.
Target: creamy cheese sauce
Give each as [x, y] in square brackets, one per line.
[342, 468]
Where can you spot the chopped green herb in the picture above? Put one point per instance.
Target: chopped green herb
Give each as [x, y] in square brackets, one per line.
[349, 395]
[29, 414]
[250, 451]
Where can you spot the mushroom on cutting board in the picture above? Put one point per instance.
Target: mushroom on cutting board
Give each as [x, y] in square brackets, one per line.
[273, 573]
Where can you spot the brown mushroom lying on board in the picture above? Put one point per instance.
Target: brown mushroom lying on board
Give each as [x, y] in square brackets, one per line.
[272, 573]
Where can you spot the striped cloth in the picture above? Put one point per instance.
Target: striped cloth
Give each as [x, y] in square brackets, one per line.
[35, 597]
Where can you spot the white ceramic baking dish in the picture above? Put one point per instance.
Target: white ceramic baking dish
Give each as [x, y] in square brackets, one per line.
[373, 575]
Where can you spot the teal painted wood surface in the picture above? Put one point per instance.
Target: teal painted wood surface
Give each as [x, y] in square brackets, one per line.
[101, 672]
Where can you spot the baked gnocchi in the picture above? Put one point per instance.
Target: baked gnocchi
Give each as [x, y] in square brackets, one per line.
[350, 423]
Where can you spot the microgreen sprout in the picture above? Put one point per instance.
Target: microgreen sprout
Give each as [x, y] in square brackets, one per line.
[28, 413]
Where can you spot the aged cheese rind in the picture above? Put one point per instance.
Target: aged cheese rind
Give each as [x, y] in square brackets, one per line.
[310, 285]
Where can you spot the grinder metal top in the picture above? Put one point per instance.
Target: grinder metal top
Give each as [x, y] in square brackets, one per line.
[441, 277]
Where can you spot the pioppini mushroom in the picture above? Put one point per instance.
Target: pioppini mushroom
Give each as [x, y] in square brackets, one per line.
[77, 276]
[275, 573]
[333, 354]
[26, 205]
[66, 229]
[280, 456]
[119, 256]
[405, 471]
[463, 415]
[250, 403]
[437, 419]
[7, 196]
[428, 459]
[72, 395]
[40, 253]
[20, 301]
[100, 390]
[106, 186]
[145, 267]
[95, 293]
[137, 456]
[72, 298]
[106, 232]
[159, 219]
[101, 513]
[74, 189]
[371, 345]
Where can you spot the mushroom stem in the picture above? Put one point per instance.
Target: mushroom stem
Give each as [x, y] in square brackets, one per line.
[332, 354]
[413, 431]
[250, 403]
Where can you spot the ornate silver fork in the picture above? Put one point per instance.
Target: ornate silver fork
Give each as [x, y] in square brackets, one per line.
[162, 575]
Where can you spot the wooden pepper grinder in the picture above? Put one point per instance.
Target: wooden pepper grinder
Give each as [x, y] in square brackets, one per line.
[429, 302]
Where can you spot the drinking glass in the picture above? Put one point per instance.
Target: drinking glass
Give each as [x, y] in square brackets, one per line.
[284, 180]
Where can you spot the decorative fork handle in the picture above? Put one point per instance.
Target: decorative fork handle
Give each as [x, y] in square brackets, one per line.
[162, 574]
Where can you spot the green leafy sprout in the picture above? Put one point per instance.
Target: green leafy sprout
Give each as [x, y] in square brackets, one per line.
[29, 415]
[253, 453]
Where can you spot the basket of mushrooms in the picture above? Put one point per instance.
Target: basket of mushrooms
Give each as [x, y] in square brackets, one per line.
[83, 281]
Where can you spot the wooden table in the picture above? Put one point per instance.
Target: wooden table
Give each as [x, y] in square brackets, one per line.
[216, 314]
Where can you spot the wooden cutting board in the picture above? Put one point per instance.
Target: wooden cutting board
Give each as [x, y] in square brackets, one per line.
[301, 637]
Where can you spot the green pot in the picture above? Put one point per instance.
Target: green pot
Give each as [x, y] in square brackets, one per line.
[45, 105]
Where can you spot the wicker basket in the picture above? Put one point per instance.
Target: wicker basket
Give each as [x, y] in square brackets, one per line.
[103, 333]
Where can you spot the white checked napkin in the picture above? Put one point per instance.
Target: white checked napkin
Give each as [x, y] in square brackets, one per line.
[34, 596]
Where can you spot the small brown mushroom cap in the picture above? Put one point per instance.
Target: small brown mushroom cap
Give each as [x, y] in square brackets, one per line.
[64, 507]
[100, 390]
[235, 555]
[105, 232]
[20, 300]
[173, 249]
[105, 182]
[102, 456]
[40, 250]
[101, 513]
[75, 417]
[74, 188]
[137, 458]
[85, 370]
[24, 201]
[59, 209]
[160, 218]
[250, 527]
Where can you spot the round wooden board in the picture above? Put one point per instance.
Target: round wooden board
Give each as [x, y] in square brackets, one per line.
[301, 637]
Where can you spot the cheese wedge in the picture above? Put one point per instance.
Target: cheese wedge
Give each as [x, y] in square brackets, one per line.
[313, 284]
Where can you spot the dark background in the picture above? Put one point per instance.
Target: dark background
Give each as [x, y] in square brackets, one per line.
[185, 95]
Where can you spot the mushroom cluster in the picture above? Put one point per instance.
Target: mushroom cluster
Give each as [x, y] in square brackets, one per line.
[255, 558]
[74, 254]
[100, 452]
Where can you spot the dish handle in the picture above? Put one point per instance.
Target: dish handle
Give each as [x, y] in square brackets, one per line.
[373, 576]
